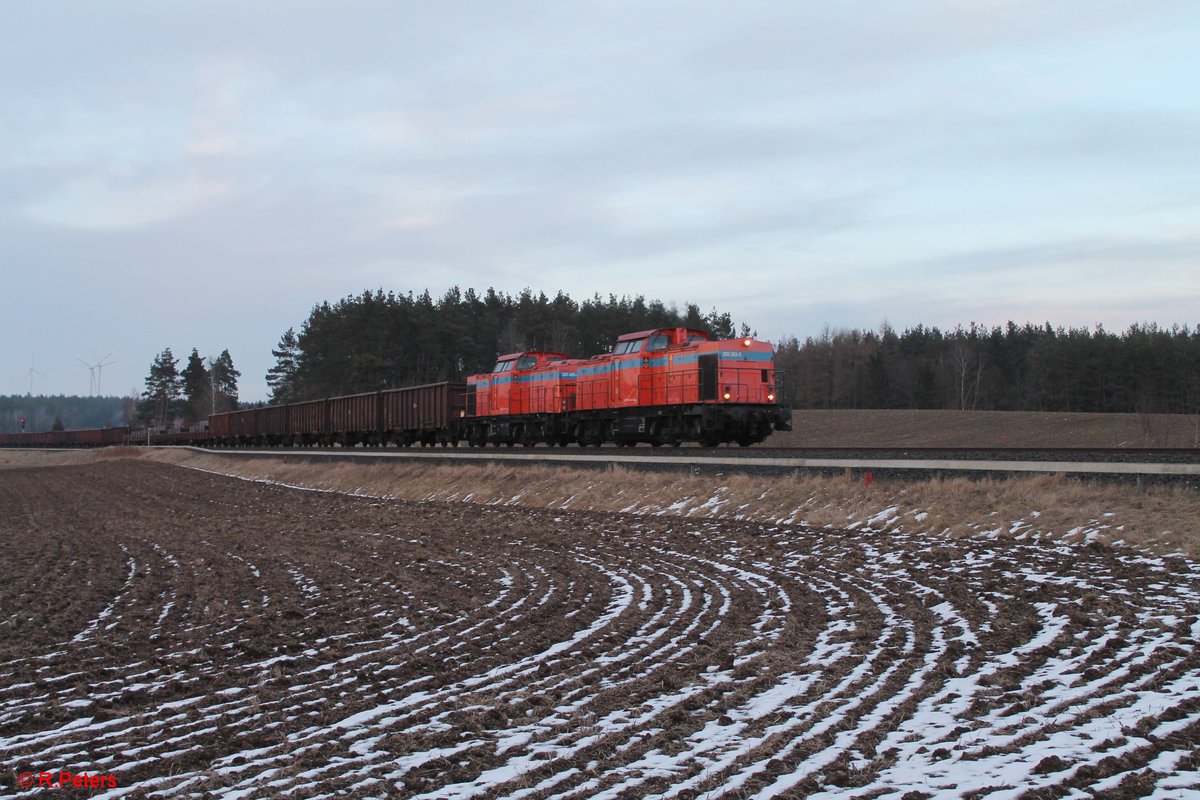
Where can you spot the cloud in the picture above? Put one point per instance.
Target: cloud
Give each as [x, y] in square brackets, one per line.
[106, 201]
[796, 164]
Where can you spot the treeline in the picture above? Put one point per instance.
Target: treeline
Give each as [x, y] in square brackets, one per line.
[379, 340]
[42, 413]
[1144, 369]
[202, 387]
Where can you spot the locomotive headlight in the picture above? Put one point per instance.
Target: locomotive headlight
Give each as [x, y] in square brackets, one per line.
[770, 397]
[727, 395]
[746, 342]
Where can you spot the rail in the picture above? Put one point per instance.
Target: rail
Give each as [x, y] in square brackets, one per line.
[882, 468]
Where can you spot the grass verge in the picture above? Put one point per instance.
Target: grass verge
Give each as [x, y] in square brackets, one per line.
[1161, 519]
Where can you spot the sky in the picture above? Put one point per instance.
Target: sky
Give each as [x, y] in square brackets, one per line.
[201, 174]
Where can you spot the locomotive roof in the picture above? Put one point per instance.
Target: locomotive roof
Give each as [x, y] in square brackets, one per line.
[643, 334]
[548, 353]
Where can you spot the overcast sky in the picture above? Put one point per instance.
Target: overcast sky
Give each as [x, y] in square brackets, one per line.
[201, 174]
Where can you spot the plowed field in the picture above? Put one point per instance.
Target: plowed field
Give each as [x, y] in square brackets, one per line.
[195, 635]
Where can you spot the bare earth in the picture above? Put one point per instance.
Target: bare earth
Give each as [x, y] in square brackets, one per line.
[197, 635]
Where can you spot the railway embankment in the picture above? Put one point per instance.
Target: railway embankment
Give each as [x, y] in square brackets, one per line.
[1041, 507]
[1052, 508]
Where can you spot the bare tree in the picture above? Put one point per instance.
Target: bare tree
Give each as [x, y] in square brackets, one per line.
[966, 369]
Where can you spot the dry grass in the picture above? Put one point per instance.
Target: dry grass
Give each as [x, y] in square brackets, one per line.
[13, 459]
[1044, 507]
[1049, 507]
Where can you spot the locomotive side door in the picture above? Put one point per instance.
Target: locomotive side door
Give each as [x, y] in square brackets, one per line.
[625, 381]
[708, 376]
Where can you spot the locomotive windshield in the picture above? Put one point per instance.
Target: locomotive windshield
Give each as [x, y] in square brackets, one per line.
[503, 366]
[632, 346]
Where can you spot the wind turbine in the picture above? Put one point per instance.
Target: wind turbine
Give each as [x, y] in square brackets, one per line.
[92, 376]
[100, 365]
[97, 371]
[30, 375]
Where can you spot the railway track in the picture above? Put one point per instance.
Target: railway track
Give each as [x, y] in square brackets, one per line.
[1173, 466]
[1091, 455]
[1112, 455]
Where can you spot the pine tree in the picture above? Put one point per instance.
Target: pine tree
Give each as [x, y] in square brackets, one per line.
[375, 340]
[161, 398]
[721, 324]
[282, 377]
[196, 388]
[224, 379]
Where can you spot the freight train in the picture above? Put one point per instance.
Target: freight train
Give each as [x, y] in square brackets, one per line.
[660, 387]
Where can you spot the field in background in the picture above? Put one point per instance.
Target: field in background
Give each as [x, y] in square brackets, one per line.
[872, 428]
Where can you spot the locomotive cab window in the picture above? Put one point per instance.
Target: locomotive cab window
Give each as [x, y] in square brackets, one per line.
[526, 362]
[658, 341]
[624, 348]
[503, 366]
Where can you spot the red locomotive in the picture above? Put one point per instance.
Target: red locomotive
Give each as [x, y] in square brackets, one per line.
[526, 399]
[662, 386]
